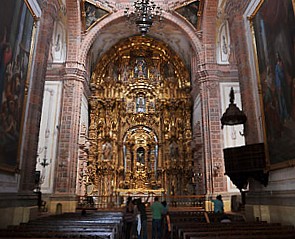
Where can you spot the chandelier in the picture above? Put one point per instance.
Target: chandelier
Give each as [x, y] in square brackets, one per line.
[143, 14]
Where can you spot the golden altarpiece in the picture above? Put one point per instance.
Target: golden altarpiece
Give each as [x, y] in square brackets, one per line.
[140, 129]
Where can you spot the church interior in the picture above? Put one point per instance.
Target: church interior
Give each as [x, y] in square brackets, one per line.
[182, 100]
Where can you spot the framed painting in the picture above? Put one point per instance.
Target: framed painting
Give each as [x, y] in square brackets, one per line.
[16, 35]
[191, 11]
[273, 26]
[92, 12]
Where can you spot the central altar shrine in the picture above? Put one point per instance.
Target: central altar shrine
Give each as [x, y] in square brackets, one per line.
[140, 129]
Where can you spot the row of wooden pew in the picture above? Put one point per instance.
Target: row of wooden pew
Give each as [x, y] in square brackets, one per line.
[203, 225]
[93, 225]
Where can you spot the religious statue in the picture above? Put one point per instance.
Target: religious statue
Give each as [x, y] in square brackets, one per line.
[140, 156]
[140, 104]
[140, 68]
[107, 151]
[173, 147]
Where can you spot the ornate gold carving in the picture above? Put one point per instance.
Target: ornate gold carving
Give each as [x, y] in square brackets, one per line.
[140, 120]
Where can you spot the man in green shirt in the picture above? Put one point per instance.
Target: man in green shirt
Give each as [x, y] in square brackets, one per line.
[157, 209]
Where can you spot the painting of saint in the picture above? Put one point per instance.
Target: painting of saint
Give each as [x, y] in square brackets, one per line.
[274, 34]
[93, 14]
[15, 48]
[190, 12]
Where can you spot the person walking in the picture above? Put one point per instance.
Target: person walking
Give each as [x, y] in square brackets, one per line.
[157, 209]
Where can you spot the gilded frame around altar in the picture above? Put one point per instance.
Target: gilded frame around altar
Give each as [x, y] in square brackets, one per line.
[272, 25]
[17, 33]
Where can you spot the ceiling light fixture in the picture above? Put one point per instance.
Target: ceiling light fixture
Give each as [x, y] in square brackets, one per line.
[143, 14]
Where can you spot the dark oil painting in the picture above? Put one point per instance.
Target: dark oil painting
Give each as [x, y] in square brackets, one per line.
[274, 28]
[15, 48]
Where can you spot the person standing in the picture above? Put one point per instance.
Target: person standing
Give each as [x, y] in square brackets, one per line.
[218, 208]
[143, 219]
[157, 209]
[218, 204]
[129, 217]
[165, 221]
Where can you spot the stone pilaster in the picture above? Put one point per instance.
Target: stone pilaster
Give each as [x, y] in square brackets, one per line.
[31, 129]
[235, 11]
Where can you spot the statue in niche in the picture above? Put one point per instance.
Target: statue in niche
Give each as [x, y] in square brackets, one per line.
[140, 155]
[140, 68]
[174, 151]
[130, 106]
[125, 72]
[168, 70]
[151, 106]
[140, 104]
[107, 151]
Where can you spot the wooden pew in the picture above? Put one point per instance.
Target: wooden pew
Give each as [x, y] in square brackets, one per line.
[186, 226]
[101, 225]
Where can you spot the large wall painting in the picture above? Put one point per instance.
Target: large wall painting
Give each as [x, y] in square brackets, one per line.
[274, 31]
[16, 29]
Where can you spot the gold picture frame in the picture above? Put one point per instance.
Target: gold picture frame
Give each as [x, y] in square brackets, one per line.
[17, 33]
[273, 29]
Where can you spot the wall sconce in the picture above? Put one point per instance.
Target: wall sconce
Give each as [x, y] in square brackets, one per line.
[233, 115]
[44, 162]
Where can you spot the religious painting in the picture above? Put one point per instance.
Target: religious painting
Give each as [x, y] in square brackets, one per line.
[92, 11]
[16, 31]
[191, 11]
[274, 32]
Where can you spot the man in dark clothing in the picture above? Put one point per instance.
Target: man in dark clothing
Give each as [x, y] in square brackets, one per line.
[143, 217]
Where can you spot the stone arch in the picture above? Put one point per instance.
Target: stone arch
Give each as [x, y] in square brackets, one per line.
[90, 37]
[73, 25]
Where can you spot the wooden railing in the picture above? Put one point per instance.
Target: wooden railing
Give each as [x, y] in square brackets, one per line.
[100, 202]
